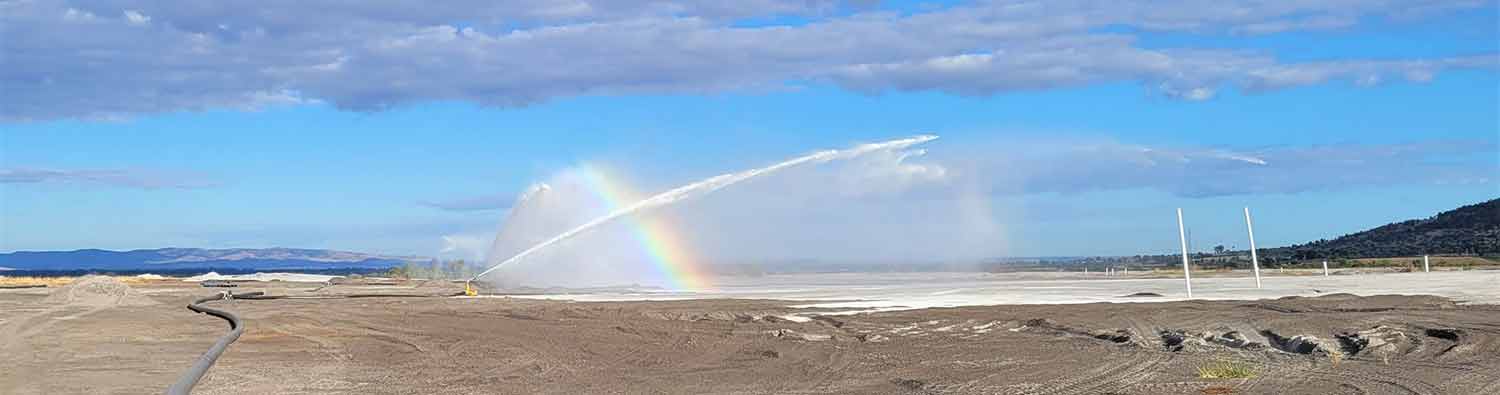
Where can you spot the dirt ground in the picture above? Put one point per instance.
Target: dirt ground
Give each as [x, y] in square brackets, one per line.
[1335, 344]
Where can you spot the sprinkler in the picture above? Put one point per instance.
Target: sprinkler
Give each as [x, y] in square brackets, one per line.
[469, 289]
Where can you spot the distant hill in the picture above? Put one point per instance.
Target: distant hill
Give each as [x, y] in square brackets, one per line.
[177, 259]
[1472, 229]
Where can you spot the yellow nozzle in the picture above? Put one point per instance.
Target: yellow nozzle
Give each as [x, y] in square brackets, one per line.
[469, 290]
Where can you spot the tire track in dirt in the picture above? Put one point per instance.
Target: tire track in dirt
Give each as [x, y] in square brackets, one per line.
[1476, 379]
[1132, 372]
[15, 332]
[1107, 374]
[1262, 383]
[27, 326]
[1391, 381]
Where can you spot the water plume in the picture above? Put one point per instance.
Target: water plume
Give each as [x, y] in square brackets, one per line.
[688, 191]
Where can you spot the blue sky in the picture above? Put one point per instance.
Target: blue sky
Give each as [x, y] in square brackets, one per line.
[343, 135]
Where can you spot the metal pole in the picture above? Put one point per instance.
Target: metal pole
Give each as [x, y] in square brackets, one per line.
[1187, 276]
[1190, 241]
[1325, 268]
[1425, 267]
[1254, 260]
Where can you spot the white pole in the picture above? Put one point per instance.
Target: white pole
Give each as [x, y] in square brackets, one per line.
[1325, 268]
[1187, 276]
[1127, 270]
[1425, 267]
[1085, 271]
[1254, 260]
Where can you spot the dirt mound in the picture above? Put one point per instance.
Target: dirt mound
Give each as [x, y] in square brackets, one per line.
[439, 284]
[97, 291]
[1347, 303]
[1114, 335]
[736, 316]
[1303, 344]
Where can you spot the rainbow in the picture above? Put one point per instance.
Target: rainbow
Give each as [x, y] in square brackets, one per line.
[661, 239]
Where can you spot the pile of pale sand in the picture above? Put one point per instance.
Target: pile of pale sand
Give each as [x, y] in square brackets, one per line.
[97, 291]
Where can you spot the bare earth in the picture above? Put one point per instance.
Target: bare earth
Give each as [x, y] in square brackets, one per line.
[1362, 345]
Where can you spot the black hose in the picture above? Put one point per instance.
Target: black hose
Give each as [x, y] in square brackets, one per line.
[189, 378]
[343, 296]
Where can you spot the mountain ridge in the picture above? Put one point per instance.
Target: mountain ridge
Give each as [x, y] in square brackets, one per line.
[184, 258]
[1467, 230]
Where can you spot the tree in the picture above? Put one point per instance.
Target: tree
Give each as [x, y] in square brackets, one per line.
[401, 272]
[454, 269]
[1219, 249]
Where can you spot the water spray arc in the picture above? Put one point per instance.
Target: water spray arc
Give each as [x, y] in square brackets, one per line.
[516, 219]
[705, 186]
[509, 224]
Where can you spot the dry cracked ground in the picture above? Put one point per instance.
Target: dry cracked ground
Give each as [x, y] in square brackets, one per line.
[1335, 344]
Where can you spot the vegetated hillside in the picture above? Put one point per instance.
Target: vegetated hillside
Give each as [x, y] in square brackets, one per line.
[186, 258]
[1471, 230]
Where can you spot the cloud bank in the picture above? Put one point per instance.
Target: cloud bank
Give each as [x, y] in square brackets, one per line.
[477, 203]
[104, 59]
[124, 178]
[1103, 165]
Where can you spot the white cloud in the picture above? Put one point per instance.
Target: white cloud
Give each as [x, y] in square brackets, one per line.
[1324, 22]
[1192, 94]
[136, 18]
[1065, 166]
[369, 56]
[76, 15]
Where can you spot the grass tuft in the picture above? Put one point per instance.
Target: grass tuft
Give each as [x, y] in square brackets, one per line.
[1226, 370]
